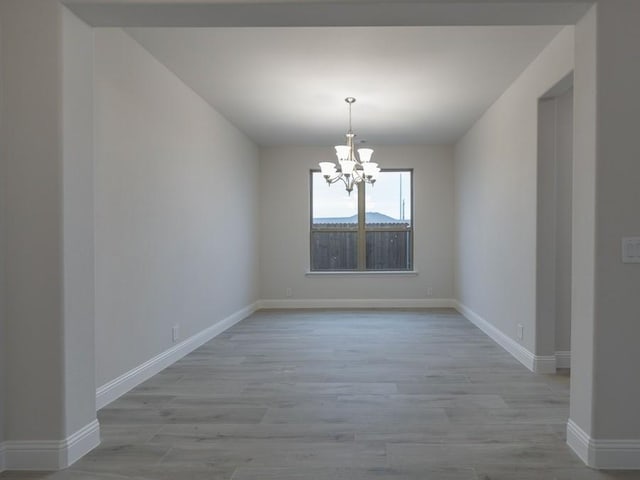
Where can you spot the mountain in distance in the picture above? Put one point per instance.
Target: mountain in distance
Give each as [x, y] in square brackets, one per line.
[370, 217]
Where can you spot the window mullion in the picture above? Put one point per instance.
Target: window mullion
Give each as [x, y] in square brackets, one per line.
[362, 239]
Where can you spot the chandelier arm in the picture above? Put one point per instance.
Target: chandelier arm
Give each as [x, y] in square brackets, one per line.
[331, 181]
[349, 183]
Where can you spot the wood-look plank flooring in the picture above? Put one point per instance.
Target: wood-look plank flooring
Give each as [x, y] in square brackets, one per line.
[340, 395]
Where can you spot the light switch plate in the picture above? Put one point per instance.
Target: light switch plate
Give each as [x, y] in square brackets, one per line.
[631, 250]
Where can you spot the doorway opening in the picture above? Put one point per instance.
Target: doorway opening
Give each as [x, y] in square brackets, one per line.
[554, 218]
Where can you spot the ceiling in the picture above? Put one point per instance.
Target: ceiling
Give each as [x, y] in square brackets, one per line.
[286, 86]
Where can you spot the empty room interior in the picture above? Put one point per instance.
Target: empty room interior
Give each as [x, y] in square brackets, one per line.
[307, 240]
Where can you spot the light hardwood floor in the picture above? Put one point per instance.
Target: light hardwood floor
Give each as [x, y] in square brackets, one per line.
[341, 395]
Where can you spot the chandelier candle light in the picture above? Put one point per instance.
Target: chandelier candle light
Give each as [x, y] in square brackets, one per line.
[351, 169]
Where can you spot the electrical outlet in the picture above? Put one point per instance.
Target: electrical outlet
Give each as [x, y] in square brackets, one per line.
[429, 292]
[288, 292]
[175, 332]
[520, 332]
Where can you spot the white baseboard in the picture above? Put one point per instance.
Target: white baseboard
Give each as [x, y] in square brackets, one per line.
[544, 364]
[563, 359]
[51, 454]
[82, 442]
[288, 303]
[603, 454]
[117, 387]
[536, 363]
[578, 440]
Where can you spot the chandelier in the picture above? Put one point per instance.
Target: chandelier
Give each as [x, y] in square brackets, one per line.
[349, 168]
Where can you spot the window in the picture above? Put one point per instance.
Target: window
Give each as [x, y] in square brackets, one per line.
[371, 230]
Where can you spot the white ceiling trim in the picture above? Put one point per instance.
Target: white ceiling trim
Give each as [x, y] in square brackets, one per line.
[211, 13]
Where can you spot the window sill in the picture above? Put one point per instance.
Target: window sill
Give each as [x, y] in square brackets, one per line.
[360, 273]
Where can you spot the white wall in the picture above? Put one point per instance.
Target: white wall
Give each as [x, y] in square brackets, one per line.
[604, 427]
[495, 204]
[617, 292]
[3, 179]
[583, 232]
[32, 160]
[46, 66]
[176, 209]
[284, 220]
[77, 205]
